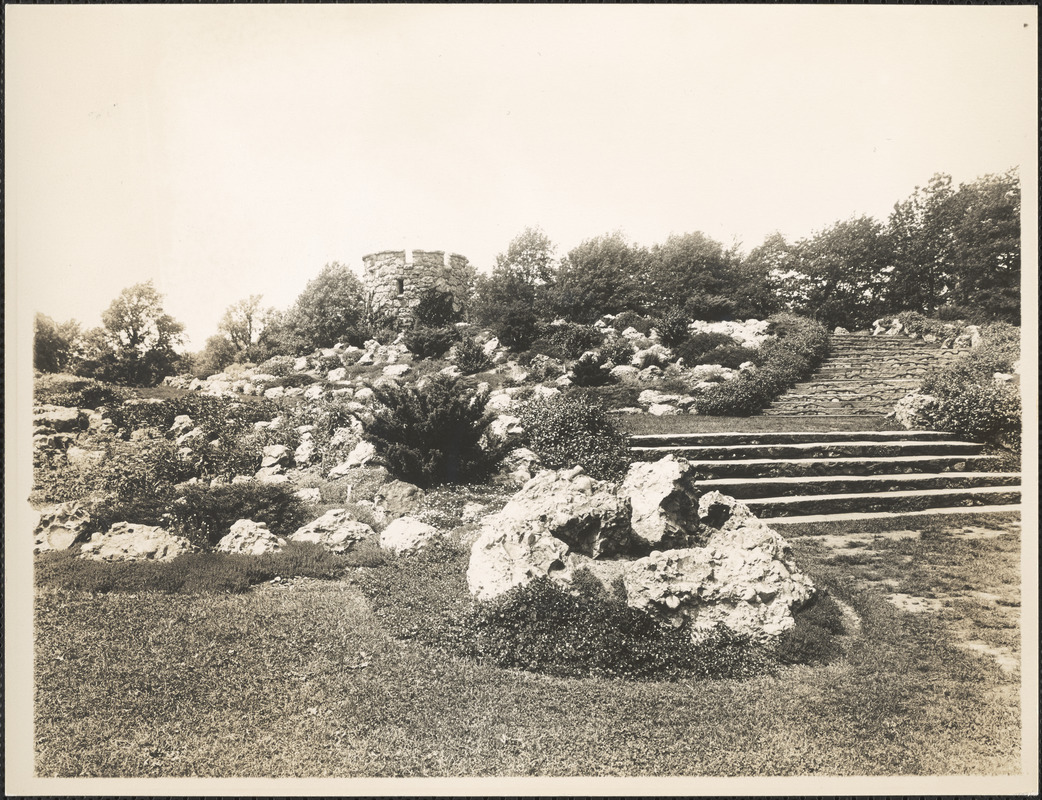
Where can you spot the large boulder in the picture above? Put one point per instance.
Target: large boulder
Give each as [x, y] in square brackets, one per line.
[743, 578]
[335, 530]
[408, 535]
[250, 538]
[554, 513]
[126, 541]
[664, 500]
[60, 526]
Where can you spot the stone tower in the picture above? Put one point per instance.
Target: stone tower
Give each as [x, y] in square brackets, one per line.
[396, 283]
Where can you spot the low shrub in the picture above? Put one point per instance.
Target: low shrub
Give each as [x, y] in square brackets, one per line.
[295, 380]
[710, 307]
[984, 412]
[427, 342]
[204, 514]
[145, 468]
[198, 573]
[434, 434]
[518, 327]
[673, 327]
[631, 319]
[650, 358]
[616, 395]
[279, 366]
[811, 640]
[543, 627]
[569, 430]
[208, 412]
[74, 392]
[695, 348]
[589, 370]
[618, 351]
[731, 356]
[568, 341]
[470, 357]
[971, 403]
[798, 347]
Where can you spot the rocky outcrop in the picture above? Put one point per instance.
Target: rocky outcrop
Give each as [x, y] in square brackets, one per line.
[408, 535]
[554, 513]
[335, 530]
[250, 538]
[126, 541]
[743, 578]
[664, 502]
[60, 526]
[910, 410]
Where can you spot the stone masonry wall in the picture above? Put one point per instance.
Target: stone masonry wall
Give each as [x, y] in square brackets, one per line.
[396, 283]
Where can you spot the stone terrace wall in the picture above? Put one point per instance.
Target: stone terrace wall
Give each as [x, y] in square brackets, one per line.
[396, 283]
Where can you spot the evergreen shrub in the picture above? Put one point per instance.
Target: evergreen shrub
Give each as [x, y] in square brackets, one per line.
[435, 434]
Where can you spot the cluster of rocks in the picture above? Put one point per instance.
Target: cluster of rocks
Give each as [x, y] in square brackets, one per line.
[953, 335]
[687, 557]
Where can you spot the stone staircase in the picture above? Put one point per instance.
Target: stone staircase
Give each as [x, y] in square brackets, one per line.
[810, 476]
[863, 375]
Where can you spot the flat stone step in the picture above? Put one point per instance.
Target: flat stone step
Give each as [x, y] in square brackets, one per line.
[750, 488]
[808, 467]
[896, 516]
[916, 500]
[781, 437]
[864, 448]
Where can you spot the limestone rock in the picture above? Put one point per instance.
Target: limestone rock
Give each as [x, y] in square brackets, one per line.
[407, 535]
[396, 370]
[250, 538]
[80, 457]
[664, 501]
[60, 526]
[911, 410]
[309, 495]
[335, 530]
[399, 498]
[127, 541]
[553, 513]
[361, 455]
[275, 455]
[662, 410]
[743, 578]
[56, 418]
[520, 465]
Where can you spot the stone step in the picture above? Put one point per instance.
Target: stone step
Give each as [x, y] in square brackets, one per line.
[750, 488]
[827, 393]
[826, 413]
[863, 448]
[781, 437]
[896, 517]
[851, 383]
[867, 502]
[808, 467]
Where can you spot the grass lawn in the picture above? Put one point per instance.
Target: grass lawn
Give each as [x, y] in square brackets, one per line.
[300, 678]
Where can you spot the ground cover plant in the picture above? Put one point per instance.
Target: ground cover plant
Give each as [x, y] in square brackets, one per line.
[300, 678]
[566, 431]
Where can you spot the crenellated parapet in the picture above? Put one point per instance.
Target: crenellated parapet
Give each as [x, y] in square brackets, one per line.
[396, 282]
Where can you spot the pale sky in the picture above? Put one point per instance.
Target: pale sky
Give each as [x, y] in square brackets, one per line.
[224, 151]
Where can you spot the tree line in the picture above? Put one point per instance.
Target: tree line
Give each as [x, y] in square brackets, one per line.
[946, 250]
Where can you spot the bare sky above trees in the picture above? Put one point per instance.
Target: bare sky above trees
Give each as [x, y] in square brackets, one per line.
[227, 151]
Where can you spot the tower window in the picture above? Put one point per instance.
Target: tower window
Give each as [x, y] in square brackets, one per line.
[401, 286]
